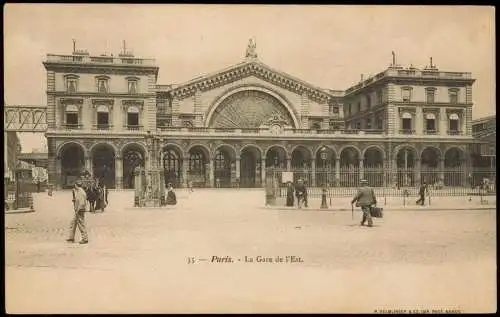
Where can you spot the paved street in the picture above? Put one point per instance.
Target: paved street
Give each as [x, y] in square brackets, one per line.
[137, 260]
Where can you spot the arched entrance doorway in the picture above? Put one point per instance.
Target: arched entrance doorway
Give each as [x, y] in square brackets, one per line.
[429, 165]
[72, 158]
[373, 166]
[198, 166]
[224, 166]
[454, 168]
[250, 160]
[405, 162]
[301, 165]
[103, 164]
[172, 162]
[349, 165]
[133, 157]
[325, 167]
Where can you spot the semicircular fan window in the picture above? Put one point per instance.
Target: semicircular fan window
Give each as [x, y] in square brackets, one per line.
[248, 109]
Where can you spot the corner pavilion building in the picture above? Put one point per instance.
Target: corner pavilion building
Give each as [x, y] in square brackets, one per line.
[228, 128]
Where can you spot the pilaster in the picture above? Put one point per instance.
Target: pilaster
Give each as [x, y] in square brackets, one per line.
[118, 172]
[443, 129]
[263, 172]
[185, 167]
[198, 112]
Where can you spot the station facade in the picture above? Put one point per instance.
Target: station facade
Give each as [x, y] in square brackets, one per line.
[227, 128]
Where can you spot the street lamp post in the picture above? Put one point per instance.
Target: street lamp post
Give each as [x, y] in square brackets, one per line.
[323, 155]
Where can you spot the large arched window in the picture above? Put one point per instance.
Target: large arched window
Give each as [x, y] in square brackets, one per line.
[196, 162]
[222, 161]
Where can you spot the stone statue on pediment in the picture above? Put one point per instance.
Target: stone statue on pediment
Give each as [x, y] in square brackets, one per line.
[251, 49]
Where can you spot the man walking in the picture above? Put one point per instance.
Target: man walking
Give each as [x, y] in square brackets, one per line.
[301, 193]
[421, 192]
[365, 198]
[79, 201]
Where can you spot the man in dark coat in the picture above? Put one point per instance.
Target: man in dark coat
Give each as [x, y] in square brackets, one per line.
[421, 192]
[364, 199]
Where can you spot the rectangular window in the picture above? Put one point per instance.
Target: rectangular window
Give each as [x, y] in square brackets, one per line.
[102, 86]
[102, 120]
[430, 96]
[406, 94]
[349, 109]
[71, 85]
[368, 101]
[132, 87]
[453, 97]
[132, 119]
[379, 98]
[72, 119]
[368, 124]
[406, 124]
[358, 107]
[430, 125]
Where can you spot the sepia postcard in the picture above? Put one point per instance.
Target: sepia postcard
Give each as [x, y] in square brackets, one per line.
[249, 159]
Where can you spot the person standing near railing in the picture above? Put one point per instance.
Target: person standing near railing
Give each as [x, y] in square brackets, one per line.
[301, 193]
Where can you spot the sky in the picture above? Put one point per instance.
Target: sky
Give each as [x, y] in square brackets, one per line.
[327, 46]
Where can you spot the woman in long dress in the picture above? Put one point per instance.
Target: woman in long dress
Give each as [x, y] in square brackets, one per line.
[171, 198]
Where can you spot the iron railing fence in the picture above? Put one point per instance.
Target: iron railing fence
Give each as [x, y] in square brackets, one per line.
[450, 181]
[393, 183]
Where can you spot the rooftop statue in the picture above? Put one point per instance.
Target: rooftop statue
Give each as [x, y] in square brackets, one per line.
[251, 49]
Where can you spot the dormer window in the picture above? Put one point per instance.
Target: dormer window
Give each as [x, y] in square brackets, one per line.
[406, 94]
[102, 85]
[71, 84]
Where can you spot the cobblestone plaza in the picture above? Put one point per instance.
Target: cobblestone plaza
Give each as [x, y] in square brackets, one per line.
[426, 259]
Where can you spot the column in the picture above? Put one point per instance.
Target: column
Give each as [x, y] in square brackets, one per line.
[58, 179]
[185, 167]
[394, 172]
[361, 169]
[337, 171]
[263, 172]
[211, 173]
[288, 164]
[88, 164]
[441, 170]
[118, 172]
[417, 172]
[313, 176]
[238, 167]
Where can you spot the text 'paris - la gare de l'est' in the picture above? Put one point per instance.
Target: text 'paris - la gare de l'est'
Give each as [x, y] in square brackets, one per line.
[247, 259]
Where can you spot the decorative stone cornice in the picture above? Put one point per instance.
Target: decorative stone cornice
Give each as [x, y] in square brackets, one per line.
[106, 102]
[66, 101]
[137, 103]
[251, 68]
